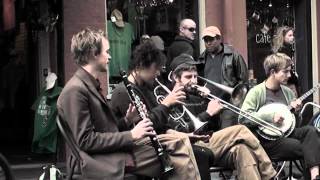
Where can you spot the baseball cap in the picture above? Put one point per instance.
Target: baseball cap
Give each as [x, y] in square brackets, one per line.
[116, 17]
[211, 31]
[182, 59]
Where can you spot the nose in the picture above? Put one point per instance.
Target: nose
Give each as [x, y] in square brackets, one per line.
[193, 80]
[289, 74]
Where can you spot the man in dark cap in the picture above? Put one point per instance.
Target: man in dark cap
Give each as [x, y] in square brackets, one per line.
[232, 147]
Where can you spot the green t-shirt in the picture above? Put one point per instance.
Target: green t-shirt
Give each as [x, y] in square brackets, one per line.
[120, 40]
[45, 128]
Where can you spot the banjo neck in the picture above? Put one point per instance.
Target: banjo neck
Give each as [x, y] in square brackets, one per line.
[307, 94]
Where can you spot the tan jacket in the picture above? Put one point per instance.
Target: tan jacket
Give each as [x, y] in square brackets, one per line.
[93, 125]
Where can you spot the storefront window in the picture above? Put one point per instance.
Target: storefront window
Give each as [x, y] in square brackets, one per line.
[153, 18]
[146, 17]
[263, 18]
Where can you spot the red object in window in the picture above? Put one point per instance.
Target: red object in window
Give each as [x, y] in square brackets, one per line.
[8, 15]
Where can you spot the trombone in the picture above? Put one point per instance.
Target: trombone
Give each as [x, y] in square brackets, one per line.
[198, 125]
[237, 93]
[240, 112]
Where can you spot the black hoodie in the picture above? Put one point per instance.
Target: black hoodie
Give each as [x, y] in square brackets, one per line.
[180, 45]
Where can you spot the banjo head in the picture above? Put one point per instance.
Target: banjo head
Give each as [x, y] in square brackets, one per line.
[286, 127]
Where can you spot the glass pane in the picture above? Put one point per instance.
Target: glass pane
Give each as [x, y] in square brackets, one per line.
[263, 18]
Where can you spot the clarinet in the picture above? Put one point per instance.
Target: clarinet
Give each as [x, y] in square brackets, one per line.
[166, 165]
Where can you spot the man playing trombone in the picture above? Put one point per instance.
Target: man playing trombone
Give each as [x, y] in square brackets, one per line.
[234, 147]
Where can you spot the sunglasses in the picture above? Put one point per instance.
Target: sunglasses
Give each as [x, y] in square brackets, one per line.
[210, 39]
[192, 29]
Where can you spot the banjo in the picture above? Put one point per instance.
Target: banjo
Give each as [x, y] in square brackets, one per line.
[289, 121]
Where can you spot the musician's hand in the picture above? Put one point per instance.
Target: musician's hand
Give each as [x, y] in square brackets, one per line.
[194, 137]
[132, 115]
[214, 107]
[176, 95]
[142, 129]
[278, 119]
[296, 104]
[204, 91]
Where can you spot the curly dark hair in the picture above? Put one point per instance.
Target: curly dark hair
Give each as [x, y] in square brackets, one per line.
[145, 55]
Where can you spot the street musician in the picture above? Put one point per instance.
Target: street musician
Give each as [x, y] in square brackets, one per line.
[234, 147]
[302, 142]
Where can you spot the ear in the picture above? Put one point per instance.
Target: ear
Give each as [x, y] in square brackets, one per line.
[272, 71]
[180, 29]
[176, 78]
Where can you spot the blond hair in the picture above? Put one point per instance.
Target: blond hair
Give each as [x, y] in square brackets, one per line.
[276, 62]
[86, 44]
[278, 38]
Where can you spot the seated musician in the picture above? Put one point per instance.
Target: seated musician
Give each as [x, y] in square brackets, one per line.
[303, 142]
[108, 140]
[235, 147]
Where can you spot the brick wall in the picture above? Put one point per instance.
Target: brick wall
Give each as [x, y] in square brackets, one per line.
[76, 16]
[230, 17]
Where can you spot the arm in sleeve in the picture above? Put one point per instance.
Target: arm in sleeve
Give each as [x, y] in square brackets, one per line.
[202, 115]
[251, 105]
[120, 103]
[158, 115]
[80, 121]
[240, 68]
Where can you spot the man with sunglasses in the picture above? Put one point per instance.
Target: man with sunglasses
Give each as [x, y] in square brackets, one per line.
[221, 64]
[183, 42]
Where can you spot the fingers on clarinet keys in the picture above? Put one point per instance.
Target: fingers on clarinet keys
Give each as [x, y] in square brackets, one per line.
[132, 114]
[142, 129]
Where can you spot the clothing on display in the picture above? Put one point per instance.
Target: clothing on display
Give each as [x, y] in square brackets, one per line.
[45, 128]
[121, 36]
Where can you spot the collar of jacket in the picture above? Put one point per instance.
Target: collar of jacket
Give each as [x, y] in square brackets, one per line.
[182, 38]
[227, 50]
[84, 76]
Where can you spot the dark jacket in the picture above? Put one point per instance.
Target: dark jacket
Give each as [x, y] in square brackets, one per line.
[158, 113]
[234, 68]
[197, 106]
[288, 50]
[94, 126]
[180, 45]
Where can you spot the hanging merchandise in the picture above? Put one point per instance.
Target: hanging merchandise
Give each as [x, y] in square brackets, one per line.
[121, 36]
[275, 20]
[265, 29]
[45, 128]
[153, 3]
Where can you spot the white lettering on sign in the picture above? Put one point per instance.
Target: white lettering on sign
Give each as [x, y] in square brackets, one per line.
[263, 38]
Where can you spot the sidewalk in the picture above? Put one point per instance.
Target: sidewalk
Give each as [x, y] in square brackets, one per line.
[30, 167]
